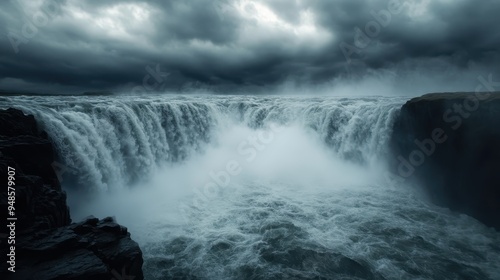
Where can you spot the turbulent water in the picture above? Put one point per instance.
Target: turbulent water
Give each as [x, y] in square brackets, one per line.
[257, 187]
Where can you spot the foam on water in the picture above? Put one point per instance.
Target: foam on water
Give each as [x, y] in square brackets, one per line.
[111, 142]
[308, 200]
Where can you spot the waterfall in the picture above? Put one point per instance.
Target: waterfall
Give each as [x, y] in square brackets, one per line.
[185, 176]
[110, 141]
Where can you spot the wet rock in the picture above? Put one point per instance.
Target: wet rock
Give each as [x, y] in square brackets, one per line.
[48, 246]
[449, 144]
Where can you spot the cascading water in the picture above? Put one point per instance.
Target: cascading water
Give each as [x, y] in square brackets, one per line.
[244, 187]
[113, 141]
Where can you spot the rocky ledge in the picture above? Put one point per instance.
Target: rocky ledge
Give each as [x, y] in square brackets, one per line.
[47, 245]
[449, 144]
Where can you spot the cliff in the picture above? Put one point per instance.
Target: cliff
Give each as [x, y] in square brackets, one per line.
[449, 144]
[47, 245]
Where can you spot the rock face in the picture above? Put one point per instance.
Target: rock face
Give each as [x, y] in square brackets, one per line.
[47, 245]
[450, 145]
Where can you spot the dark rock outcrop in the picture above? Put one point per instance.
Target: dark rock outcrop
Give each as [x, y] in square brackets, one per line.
[47, 245]
[450, 145]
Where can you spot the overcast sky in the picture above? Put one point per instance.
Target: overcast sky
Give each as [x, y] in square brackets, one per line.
[131, 45]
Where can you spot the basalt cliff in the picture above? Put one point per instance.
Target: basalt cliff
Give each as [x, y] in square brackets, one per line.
[41, 242]
[449, 145]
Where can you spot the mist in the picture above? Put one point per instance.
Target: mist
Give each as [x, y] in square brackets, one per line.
[252, 139]
[212, 184]
[279, 156]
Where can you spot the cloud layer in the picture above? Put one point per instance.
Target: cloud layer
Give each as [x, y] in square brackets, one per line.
[132, 45]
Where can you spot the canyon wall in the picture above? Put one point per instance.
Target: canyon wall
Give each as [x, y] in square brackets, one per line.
[449, 144]
[47, 245]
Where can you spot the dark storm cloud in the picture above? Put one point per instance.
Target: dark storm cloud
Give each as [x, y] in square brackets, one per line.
[91, 45]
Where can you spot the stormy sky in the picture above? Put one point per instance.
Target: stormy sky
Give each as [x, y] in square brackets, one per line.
[67, 46]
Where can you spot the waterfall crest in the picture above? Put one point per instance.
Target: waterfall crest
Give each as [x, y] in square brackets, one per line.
[111, 141]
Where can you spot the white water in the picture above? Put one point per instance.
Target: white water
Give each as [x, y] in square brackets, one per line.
[308, 199]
